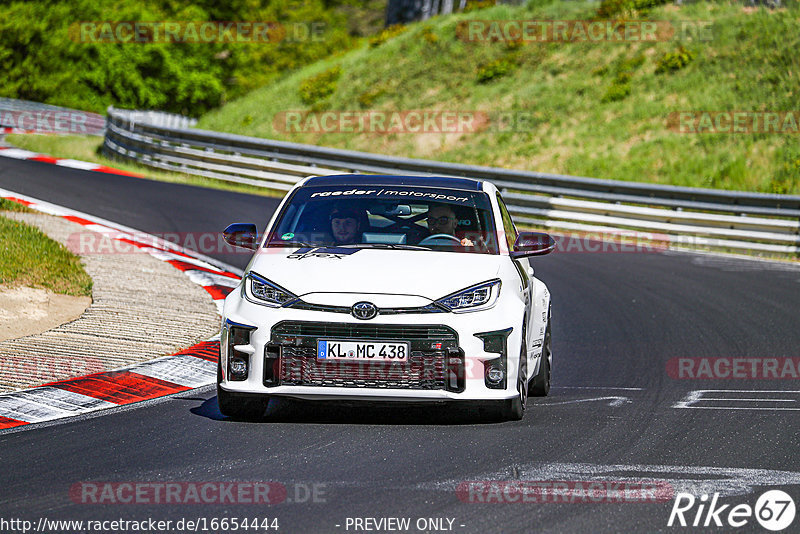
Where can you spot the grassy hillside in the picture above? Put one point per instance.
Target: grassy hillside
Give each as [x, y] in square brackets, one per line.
[596, 108]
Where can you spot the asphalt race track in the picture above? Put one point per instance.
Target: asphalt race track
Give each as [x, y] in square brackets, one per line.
[614, 414]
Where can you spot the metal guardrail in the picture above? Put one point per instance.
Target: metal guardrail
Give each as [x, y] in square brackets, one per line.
[24, 116]
[678, 216]
[159, 118]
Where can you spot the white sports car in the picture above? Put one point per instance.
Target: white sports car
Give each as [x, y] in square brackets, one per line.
[401, 288]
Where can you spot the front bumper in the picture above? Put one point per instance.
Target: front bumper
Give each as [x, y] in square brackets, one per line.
[448, 362]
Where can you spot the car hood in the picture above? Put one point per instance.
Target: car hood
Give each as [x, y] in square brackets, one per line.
[427, 274]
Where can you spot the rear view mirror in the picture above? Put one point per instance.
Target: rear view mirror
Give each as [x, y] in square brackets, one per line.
[242, 235]
[532, 244]
[390, 210]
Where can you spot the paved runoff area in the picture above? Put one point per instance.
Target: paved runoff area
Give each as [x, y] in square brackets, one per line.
[150, 330]
[142, 308]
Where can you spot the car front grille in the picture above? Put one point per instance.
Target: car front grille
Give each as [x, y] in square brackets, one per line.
[435, 363]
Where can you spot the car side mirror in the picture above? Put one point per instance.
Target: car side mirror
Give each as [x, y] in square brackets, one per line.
[533, 244]
[242, 235]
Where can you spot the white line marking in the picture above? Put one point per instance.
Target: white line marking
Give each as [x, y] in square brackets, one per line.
[64, 400]
[749, 390]
[748, 400]
[18, 153]
[614, 401]
[727, 481]
[774, 409]
[598, 387]
[695, 397]
[29, 411]
[75, 164]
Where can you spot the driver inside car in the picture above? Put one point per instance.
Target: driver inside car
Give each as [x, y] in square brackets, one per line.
[346, 225]
[442, 220]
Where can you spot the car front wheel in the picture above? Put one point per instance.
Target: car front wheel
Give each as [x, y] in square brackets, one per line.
[514, 409]
[540, 384]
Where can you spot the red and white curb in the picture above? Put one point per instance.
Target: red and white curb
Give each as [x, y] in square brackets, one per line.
[185, 370]
[18, 153]
[182, 371]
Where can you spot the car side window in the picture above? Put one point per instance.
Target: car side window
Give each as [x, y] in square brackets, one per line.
[508, 224]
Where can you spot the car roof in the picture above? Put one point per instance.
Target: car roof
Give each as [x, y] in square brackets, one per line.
[467, 184]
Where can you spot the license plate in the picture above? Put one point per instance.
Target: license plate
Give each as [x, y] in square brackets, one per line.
[366, 351]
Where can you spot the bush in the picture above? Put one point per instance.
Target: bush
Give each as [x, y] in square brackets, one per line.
[515, 44]
[386, 34]
[319, 87]
[620, 87]
[788, 176]
[495, 69]
[616, 92]
[479, 4]
[631, 64]
[672, 61]
[368, 98]
[430, 36]
[614, 8]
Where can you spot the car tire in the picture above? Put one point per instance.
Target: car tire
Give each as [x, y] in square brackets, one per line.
[514, 409]
[240, 407]
[540, 384]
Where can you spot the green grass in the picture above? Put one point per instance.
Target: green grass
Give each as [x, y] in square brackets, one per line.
[592, 109]
[86, 148]
[9, 205]
[30, 258]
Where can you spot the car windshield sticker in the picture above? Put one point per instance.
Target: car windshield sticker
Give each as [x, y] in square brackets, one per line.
[450, 196]
[331, 253]
[287, 236]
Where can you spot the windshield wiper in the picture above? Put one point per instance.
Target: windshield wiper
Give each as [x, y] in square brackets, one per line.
[384, 245]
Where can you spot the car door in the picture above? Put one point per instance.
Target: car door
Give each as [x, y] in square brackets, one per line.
[522, 266]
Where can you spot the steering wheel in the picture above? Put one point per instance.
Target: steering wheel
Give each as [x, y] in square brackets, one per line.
[434, 237]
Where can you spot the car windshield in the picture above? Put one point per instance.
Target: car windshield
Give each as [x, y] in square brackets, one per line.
[388, 217]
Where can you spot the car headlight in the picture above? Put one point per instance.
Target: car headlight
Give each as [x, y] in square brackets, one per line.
[261, 291]
[474, 298]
